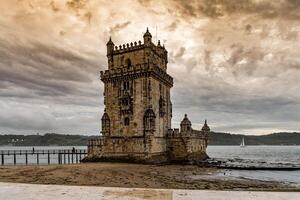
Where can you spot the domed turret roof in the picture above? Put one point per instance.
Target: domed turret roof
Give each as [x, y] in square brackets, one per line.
[185, 121]
[147, 34]
[110, 42]
[205, 127]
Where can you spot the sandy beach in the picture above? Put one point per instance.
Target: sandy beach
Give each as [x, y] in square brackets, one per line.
[23, 191]
[134, 176]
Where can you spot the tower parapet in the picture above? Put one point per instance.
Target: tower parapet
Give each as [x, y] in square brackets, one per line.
[136, 71]
[137, 53]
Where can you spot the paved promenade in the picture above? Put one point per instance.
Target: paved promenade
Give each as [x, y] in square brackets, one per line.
[18, 191]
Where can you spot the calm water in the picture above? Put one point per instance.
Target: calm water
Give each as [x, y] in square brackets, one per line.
[260, 156]
[253, 156]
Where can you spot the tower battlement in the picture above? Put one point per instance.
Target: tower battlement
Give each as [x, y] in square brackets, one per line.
[147, 52]
[135, 71]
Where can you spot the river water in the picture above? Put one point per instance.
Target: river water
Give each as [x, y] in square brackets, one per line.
[287, 157]
[250, 156]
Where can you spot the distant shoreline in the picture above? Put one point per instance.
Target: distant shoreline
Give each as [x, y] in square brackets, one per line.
[215, 139]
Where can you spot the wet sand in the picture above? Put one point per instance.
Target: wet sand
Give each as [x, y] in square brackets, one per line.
[134, 176]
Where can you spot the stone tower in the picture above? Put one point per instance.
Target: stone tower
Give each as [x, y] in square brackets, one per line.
[136, 90]
[136, 121]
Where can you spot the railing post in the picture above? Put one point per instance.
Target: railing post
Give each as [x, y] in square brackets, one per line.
[58, 158]
[2, 158]
[68, 156]
[37, 158]
[76, 156]
[72, 157]
[15, 159]
[64, 156]
[48, 157]
[26, 158]
[79, 155]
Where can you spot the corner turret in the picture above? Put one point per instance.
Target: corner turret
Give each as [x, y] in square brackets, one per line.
[205, 129]
[110, 50]
[110, 47]
[147, 37]
[185, 125]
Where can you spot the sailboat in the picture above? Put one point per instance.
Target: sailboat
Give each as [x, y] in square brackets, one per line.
[243, 143]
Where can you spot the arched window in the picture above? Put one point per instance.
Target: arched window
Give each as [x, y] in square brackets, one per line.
[105, 121]
[126, 85]
[162, 106]
[125, 102]
[128, 62]
[149, 120]
[126, 121]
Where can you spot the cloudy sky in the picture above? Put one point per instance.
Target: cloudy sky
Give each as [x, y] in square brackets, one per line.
[234, 62]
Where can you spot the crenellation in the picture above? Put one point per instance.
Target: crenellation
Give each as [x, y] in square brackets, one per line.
[123, 48]
[139, 70]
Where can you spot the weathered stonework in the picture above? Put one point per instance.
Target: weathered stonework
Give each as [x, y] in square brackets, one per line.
[136, 124]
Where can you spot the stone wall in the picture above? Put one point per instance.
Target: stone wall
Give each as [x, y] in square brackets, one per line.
[134, 149]
[116, 146]
[184, 146]
[186, 149]
[148, 149]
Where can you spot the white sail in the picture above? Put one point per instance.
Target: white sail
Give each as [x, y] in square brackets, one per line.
[243, 143]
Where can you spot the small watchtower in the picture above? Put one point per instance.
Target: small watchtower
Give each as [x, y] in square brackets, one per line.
[185, 125]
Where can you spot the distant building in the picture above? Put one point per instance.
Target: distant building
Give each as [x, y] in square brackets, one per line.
[136, 123]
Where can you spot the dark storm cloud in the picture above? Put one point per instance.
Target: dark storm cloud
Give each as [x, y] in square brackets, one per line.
[235, 63]
[48, 70]
[54, 6]
[172, 26]
[226, 104]
[118, 27]
[218, 8]
[76, 4]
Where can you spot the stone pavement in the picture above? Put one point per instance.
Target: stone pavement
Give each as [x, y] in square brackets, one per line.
[19, 191]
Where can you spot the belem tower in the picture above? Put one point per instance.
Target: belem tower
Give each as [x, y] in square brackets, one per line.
[136, 123]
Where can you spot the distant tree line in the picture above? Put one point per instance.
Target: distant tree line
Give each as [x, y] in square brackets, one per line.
[270, 139]
[49, 139]
[52, 139]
